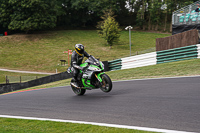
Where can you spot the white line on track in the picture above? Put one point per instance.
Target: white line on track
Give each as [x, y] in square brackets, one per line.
[97, 124]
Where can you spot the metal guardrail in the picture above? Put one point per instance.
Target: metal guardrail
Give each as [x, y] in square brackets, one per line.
[177, 54]
[139, 60]
[153, 58]
[198, 50]
[44, 80]
[115, 64]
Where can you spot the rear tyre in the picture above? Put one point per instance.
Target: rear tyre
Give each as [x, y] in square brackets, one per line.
[77, 91]
[106, 83]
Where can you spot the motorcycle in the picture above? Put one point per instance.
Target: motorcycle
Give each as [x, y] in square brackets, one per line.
[91, 77]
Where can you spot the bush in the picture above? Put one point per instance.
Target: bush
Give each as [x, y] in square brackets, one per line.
[110, 30]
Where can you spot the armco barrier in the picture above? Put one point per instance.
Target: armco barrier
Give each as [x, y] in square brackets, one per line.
[177, 54]
[139, 60]
[36, 82]
[198, 50]
[170, 55]
[115, 64]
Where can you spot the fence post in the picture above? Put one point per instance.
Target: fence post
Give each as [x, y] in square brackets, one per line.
[6, 79]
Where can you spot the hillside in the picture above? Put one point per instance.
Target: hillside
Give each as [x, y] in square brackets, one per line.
[43, 51]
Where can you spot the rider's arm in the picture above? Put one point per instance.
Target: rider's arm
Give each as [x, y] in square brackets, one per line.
[74, 62]
[89, 56]
[86, 54]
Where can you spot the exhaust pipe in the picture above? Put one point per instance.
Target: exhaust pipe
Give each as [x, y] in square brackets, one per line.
[74, 85]
[77, 87]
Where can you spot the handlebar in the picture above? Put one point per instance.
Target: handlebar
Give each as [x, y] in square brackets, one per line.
[86, 67]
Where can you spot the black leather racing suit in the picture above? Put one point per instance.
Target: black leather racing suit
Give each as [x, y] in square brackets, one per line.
[76, 61]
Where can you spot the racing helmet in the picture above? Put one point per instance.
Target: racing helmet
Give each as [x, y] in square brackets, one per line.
[79, 48]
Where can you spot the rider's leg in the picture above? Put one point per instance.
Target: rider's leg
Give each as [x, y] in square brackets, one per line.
[75, 74]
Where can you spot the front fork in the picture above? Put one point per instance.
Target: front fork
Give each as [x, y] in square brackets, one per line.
[98, 76]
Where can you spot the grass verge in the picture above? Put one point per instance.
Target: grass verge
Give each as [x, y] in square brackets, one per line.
[33, 126]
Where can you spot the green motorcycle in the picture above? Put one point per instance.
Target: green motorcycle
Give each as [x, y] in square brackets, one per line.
[92, 77]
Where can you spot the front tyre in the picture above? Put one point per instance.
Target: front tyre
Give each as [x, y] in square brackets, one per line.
[106, 83]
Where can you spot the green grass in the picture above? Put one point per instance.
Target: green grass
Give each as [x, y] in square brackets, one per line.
[43, 51]
[32, 126]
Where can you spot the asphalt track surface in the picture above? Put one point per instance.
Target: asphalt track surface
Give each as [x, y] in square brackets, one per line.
[170, 103]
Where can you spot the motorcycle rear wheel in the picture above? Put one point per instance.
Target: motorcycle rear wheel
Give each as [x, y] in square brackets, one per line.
[106, 83]
[77, 91]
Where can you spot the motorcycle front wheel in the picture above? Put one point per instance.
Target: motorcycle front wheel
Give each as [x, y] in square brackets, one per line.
[106, 83]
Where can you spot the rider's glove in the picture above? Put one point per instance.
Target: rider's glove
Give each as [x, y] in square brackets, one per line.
[81, 68]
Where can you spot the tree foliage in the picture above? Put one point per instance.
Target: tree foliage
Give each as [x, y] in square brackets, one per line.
[5, 11]
[110, 30]
[26, 15]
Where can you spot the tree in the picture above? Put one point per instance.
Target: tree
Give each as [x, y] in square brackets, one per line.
[91, 10]
[110, 30]
[5, 11]
[32, 15]
[26, 15]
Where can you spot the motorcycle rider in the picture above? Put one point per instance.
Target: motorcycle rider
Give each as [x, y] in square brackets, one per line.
[76, 60]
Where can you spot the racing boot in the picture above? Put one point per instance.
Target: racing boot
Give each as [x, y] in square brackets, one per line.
[74, 82]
